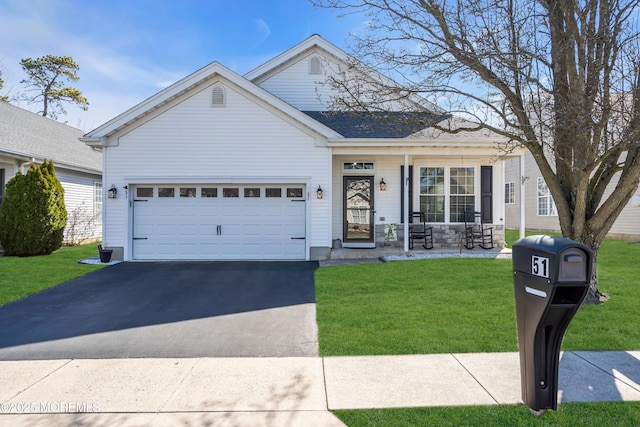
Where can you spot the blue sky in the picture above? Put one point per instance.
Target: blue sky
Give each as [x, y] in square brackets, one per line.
[128, 50]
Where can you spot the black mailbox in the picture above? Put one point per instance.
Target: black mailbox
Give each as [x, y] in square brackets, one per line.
[551, 280]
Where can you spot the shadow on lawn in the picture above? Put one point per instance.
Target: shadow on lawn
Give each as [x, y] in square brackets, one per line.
[134, 295]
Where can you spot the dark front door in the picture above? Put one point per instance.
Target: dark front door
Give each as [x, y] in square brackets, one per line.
[358, 211]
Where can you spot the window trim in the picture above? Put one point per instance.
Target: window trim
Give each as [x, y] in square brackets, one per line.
[551, 205]
[447, 187]
[357, 170]
[510, 193]
[98, 201]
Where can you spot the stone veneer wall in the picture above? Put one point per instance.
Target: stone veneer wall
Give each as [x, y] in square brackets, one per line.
[444, 236]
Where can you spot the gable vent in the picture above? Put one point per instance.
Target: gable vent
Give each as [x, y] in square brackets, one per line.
[315, 67]
[217, 97]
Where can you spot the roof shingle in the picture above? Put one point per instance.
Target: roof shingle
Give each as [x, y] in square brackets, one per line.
[28, 134]
[375, 124]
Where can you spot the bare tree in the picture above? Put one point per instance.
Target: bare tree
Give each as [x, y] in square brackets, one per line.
[81, 225]
[3, 98]
[559, 77]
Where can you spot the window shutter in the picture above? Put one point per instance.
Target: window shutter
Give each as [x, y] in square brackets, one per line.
[486, 193]
[1, 185]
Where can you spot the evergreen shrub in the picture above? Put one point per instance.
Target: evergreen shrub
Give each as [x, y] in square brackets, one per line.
[33, 214]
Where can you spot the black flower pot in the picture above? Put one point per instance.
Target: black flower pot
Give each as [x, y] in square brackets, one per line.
[105, 254]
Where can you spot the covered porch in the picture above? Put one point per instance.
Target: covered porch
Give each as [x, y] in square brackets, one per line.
[377, 190]
[340, 256]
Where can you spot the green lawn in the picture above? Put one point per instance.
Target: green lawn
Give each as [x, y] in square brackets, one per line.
[23, 276]
[609, 414]
[462, 305]
[467, 305]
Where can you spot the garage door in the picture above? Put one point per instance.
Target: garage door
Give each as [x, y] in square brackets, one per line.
[219, 222]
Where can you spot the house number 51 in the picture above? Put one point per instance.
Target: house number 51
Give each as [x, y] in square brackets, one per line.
[540, 266]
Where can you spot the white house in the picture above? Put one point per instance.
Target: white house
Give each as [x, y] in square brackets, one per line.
[539, 211]
[27, 138]
[223, 166]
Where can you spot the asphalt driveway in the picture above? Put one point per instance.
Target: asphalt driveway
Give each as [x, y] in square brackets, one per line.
[168, 309]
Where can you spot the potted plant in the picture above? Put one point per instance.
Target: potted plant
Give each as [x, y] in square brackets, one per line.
[105, 254]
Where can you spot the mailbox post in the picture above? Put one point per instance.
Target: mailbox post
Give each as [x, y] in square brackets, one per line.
[551, 280]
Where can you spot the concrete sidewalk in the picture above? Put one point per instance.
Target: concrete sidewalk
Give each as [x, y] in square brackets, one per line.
[285, 391]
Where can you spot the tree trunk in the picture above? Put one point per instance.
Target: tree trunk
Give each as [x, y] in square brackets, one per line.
[594, 296]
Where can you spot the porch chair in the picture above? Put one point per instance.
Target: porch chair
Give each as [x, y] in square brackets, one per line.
[418, 230]
[476, 232]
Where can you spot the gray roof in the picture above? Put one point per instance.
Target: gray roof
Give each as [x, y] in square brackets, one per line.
[24, 134]
[376, 124]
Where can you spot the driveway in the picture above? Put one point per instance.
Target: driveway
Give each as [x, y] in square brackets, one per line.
[168, 309]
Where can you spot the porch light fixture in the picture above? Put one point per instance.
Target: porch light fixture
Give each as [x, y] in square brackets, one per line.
[112, 193]
[383, 185]
[319, 193]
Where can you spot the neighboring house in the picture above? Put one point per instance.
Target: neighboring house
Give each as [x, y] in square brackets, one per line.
[540, 211]
[223, 166]
[27, 138]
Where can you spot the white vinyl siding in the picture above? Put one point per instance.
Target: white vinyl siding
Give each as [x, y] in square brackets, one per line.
[627, 225]
[512, 211]
[532, 219]
[79, 200]
[388, 204]
[300, 88]
[628, 222]
[187, 141]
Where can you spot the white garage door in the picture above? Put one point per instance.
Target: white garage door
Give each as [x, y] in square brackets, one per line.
[219, 222]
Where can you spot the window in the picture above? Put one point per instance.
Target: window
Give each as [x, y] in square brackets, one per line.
[166, 192]
[97, 202]
[144, 192]
[230, 192]
[546, 206]
[187, 192]
[446, 193]
[432, 195]
[462, 197]
[358, 216]
[274, 192]
[209, 192]
[217, 97]
[294, 192]
[357, 166]
[510, 193]
[251, 192]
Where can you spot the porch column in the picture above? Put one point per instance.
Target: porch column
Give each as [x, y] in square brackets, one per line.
[405, 183]
[523, 179]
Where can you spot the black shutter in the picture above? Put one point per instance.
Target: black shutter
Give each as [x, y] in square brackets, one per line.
[402, 191]
[1, 185]
[486, 193]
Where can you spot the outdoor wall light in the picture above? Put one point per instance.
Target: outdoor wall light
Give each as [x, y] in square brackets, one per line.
[383, 185]
[112, 193]
[319, 193]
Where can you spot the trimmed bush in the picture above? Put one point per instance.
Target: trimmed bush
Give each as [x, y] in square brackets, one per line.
[33, 214]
